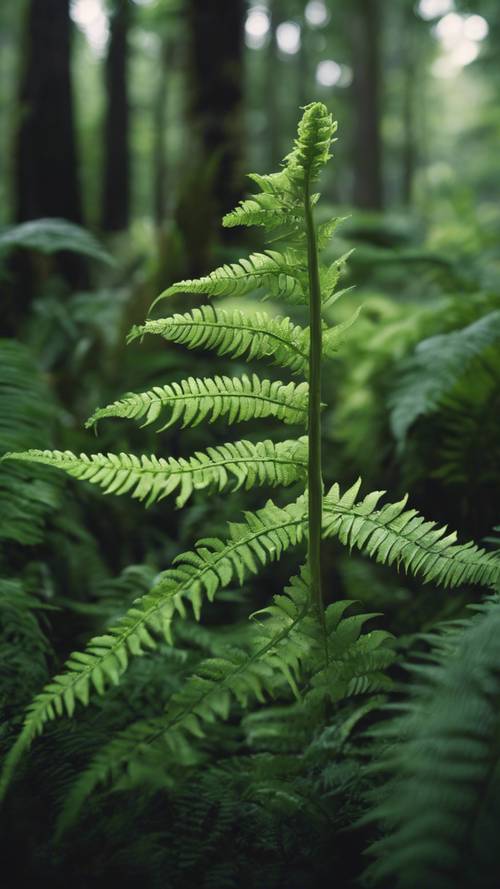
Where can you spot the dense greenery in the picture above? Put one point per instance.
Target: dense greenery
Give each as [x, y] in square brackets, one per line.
[277, 721]
[200, 685]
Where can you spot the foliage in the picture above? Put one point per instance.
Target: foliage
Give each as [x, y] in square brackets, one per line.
[440, 806]
[52, 235]
[244, 748]
[26, 411]
[434, 369]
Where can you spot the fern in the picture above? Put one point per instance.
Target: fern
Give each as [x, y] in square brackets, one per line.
[193, 400]
[434, 369]
[284, 646]
[21, 632]
[241, 464]
[397, 535]
[284, 275]
[467, 427]
[442, 755]
[27, 411]
[295, 647]
[261, 539]
[234, 333]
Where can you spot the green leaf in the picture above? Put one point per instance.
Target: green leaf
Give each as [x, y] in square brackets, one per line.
[193, 400]
[51, 236]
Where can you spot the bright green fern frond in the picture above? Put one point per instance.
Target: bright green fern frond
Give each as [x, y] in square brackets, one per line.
[333, 337]
[234, 465]
[194, 400]
[259, 540]
[234, 333]
[395, 535]
[329, 278]
[264, 210]
[234, 675]
[27, 413]
[312, 146]
[286, 646]
[326, 230]
[284, 275]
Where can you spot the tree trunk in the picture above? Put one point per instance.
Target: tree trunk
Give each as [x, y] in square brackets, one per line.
[216, 63]
[44, 160]
[410, 72]
[159, 132]
[116, 184]
[366, 55]
[271, 88]
[45, 163]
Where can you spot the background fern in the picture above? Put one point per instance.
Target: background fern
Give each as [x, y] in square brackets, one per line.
[440, 807]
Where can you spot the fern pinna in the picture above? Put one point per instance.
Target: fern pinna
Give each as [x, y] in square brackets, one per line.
[316, 651]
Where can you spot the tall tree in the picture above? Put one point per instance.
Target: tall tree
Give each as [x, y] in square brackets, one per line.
[271, 86]
[166, 54]
[116, 182]
[367, 149]
[44, 161]
[216, 62]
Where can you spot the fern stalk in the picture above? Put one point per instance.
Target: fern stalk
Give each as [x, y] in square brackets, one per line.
[315, 480]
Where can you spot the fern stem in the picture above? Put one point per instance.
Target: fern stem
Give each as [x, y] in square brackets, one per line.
[315, 480]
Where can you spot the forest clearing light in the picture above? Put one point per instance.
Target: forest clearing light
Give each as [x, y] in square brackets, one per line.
[476, 27]
[257, 27]
[454, 28]
[288, 37]
[432, 9]
[90, 17]
[459, 37]
[449, 29]
[328, 73]
[317, 13]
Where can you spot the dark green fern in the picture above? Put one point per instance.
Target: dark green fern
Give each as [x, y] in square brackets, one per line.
[439, 811]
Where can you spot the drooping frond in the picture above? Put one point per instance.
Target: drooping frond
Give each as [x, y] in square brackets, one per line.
[234, 333]
[435, 368]
[260, 539]
[234, 465]
[194, 400]
[234, 675]
[283, 275]
[439, 811]
[286, 642]
[395, 535]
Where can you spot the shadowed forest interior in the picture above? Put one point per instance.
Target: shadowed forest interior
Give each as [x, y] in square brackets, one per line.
[243, 667]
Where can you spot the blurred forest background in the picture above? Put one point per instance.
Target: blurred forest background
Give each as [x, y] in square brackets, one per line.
[126, 130]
